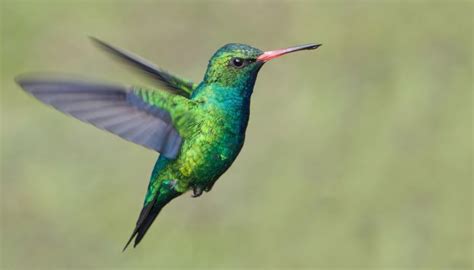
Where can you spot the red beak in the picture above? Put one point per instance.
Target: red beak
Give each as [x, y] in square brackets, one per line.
[269, 55]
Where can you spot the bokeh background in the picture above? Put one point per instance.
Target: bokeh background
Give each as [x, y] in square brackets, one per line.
[358, 155]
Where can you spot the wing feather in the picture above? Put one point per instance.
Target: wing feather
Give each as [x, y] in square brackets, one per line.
[173, 83]
[114, 108]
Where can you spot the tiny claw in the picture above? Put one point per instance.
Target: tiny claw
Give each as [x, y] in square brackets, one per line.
[197, 191]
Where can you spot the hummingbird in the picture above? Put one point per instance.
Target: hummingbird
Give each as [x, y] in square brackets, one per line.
[198, 128]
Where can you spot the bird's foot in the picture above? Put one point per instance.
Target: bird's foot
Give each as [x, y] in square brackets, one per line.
[197, 191]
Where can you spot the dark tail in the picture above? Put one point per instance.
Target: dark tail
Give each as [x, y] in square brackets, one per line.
[150, 211]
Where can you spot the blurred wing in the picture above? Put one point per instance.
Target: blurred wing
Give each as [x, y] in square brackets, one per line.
[171, 82]
[116, 109]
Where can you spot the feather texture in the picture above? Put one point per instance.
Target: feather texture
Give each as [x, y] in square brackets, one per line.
[169, 81]
[114, 108]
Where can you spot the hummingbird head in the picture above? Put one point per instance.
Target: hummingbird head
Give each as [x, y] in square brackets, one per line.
[233, 65]
[237, 65]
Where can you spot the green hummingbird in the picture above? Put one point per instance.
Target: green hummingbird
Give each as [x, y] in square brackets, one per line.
[198, 129]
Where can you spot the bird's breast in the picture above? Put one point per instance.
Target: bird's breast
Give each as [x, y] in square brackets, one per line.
[215, 144]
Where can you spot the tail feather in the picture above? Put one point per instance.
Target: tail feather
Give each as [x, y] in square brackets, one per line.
[129, 240]
[144, 214]
[146, 225]
[148, 214]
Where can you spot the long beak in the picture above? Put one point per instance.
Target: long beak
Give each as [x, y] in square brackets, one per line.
[269, 55]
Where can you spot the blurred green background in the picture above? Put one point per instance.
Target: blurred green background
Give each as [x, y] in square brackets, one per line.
[358, 155]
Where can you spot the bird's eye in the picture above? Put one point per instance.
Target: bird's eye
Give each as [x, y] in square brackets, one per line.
[237, 62]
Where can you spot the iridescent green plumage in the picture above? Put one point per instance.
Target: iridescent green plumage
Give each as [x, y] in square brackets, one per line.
[198, 128]
[212, 123]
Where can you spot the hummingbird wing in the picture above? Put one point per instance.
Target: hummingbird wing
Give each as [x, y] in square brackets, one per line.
[118, 109]
[170, 82]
